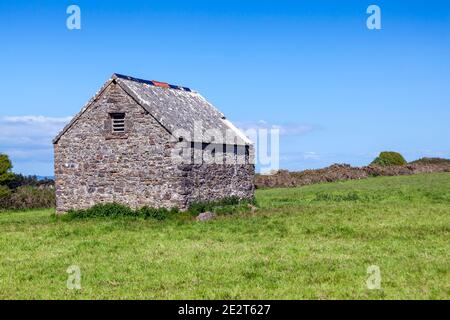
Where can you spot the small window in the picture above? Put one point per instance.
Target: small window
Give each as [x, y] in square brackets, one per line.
[118, 122]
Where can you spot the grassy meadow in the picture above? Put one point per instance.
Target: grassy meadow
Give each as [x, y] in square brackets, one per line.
[313, 242]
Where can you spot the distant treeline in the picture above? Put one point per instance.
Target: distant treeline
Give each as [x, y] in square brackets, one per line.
[19, 180]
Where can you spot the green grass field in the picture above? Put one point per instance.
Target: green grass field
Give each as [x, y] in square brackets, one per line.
[313, 242]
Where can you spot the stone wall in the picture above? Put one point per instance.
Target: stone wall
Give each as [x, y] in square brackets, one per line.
[343, 172]
[93, 165]
[230, 175]
[210, 182]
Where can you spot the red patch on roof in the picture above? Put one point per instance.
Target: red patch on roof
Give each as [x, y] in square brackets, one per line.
[160, 84]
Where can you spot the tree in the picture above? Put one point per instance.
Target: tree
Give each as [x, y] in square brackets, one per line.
[6, 175]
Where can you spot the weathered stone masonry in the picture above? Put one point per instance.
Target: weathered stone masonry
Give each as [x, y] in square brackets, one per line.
[94, 165]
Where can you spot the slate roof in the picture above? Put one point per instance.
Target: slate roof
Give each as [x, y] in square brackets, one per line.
[174, 107]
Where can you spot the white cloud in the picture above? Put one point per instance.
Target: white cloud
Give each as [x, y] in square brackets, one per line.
[29, 131]
[288, 129]
[300, 156]
[28, 139]
[36, 120]
[310, 155]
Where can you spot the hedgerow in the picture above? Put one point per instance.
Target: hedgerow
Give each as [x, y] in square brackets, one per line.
[24, 198]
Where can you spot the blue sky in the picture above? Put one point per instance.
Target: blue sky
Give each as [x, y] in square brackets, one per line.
[341, 92]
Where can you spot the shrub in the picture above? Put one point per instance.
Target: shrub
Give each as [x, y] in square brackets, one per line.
[4, 192]
[389, 158]
[119, 210]
[103, 210]
[18, 192]
[26, 198]
[225, 206]
[199, 207]
[156, 213]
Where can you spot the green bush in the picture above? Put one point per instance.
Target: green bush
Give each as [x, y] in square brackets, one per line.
[225, 206]
[389, 158]
[5, 169]
[119, 210]
[103, 210]
[5, 192]
[156, 213]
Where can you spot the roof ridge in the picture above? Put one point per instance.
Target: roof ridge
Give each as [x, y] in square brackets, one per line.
[152, 82]
[172, 109]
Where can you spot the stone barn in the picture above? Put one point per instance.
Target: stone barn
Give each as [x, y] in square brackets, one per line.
[149, 143]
